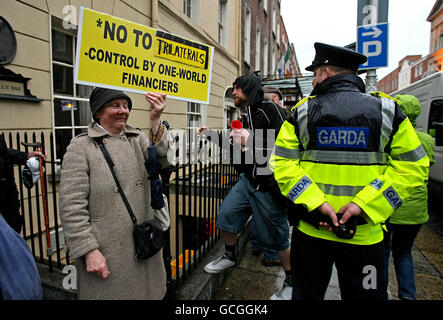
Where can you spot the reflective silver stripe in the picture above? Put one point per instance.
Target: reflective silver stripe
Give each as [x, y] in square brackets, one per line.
[351, 157]
[286, 153]
[302, 115]
[412, 156]
[387, 114]
[335, 190]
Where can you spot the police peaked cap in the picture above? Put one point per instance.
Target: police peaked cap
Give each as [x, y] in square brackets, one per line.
[326, 54]
[100, 96]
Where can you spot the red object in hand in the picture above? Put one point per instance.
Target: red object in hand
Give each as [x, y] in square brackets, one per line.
[236, 124]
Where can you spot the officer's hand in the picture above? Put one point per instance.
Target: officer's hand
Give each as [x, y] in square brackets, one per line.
[349, 210]
[327, 210]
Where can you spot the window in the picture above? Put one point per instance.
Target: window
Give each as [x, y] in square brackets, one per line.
[441, 42]
[435, 115]
[72, 113]
[193, 122]
[273, 62]
[222, 24]
[274, 19]
[265, 6]
[191, 8]
[187, 8]
[257, 49]
[247, 36]
[265, 57]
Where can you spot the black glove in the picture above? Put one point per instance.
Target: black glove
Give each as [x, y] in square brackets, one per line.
[27, 177]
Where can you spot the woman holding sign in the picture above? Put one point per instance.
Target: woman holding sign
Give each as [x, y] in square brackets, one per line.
[97, 226]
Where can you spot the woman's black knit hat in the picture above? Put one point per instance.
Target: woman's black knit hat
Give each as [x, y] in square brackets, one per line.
[100, 96]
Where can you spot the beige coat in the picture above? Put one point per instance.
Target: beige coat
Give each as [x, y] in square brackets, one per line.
[94, 215]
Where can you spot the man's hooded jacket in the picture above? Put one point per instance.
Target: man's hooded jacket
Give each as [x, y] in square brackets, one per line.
[264, 119]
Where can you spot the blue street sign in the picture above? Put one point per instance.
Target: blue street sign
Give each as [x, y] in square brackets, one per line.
[372, 41]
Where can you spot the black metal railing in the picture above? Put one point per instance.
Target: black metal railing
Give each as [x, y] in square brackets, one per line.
[197, 190]
[31, 203]
[194, 187]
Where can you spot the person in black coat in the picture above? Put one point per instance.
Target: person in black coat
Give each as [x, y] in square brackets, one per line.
[9, 197]
[254, 142]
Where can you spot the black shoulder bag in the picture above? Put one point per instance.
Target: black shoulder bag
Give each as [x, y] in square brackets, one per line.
[148, 236]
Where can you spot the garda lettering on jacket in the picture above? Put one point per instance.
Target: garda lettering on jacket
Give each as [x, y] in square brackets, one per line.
[393, 198]
[299, 188]
[377, 184]
[343, 137]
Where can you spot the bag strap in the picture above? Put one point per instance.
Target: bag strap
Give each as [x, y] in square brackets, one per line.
[111, 167]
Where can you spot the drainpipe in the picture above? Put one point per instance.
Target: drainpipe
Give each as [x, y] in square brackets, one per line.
[154, 14]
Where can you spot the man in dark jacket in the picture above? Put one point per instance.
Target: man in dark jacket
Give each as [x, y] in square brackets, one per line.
[9, 201]
[261, 122]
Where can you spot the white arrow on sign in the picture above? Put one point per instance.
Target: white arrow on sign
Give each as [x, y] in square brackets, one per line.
[376, 32]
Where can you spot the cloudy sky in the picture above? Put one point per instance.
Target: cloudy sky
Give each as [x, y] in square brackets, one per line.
[335, 22]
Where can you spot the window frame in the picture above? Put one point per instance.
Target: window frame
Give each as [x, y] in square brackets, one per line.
[56, 26]
[274, 19]
[273, 62]
[191, 8]
[187, 8]
[247, 35]
[435, 110]
[265, 57]
[257, 48]
[222, 22]
[197, 112]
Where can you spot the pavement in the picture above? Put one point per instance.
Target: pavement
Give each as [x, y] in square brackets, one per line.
[250, 280]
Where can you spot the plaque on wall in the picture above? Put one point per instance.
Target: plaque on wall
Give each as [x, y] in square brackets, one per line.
[14, 86]
[8, 41]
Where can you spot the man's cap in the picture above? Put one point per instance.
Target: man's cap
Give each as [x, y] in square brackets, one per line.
[271, 89]
[100, 96]
[326, 54]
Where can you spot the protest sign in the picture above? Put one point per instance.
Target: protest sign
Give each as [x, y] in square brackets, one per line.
[118, 54]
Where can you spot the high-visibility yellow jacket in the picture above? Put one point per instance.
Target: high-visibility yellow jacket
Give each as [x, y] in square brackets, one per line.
[415, 209]
[346, 146]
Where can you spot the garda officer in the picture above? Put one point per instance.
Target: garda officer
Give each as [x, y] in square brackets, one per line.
[350, 159]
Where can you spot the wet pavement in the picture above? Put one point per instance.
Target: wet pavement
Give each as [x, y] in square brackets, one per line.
[250, 280]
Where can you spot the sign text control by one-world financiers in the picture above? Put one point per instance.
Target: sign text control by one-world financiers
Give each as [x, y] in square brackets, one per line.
[119, 54]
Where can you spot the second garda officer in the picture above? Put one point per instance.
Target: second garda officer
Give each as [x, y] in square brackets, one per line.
[350, 159]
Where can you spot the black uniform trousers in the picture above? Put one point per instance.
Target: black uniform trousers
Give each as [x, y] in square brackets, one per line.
[359, 268]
